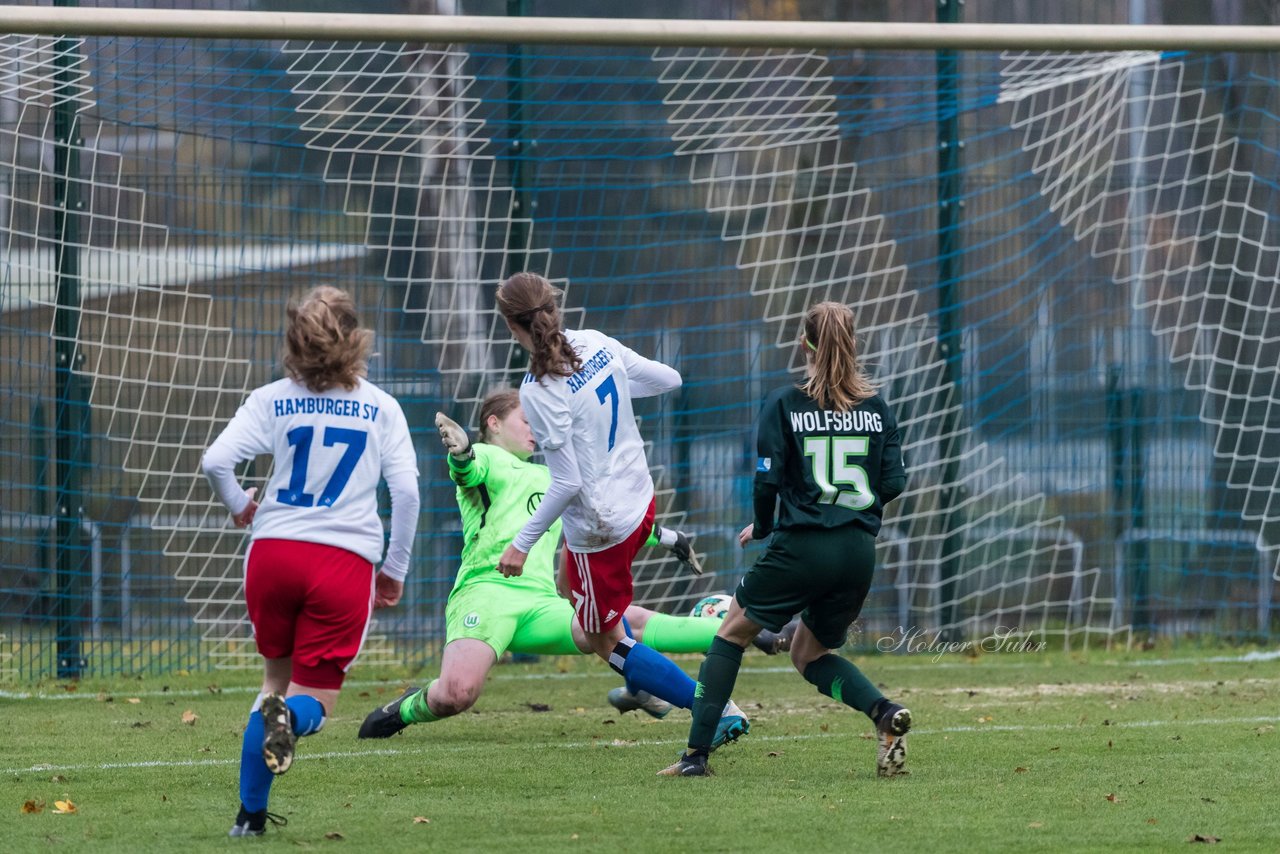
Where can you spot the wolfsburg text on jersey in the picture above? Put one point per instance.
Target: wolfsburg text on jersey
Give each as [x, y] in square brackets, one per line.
[856, 419]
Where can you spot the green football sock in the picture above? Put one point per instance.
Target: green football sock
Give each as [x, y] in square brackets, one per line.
[415, 710]
[841, 681]
[679, 634]
[715, 684]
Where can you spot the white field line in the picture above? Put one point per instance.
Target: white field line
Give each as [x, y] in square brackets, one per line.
[437, 749]
[1082, 689]
[885, 662]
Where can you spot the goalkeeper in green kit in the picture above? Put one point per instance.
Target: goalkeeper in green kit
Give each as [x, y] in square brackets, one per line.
[488, 613]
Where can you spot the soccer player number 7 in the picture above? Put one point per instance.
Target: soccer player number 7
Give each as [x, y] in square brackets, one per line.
[608, 390]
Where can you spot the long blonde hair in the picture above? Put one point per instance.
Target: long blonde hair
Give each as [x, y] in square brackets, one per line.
[324, 345]
[528, 301]
[837, 380]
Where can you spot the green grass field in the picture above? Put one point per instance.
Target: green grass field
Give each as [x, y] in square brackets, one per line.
[1011, 752]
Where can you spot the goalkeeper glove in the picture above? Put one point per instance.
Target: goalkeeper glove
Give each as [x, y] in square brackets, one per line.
[678, 543]
[454, 438]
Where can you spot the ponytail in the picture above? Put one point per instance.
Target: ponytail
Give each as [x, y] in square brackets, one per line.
[528, 301]
[837, 380]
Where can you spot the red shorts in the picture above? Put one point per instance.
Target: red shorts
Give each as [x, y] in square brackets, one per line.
[601, 581]
[309, 601]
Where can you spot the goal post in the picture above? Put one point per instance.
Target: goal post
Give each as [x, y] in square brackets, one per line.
[473, 29]
[1070, 309]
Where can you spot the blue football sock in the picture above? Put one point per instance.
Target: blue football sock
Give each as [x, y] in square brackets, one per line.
[646, 670]
[255, 777]
[307, 715]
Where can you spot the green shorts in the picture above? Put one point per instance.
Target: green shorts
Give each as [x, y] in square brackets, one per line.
[822, 574]
[510, 619]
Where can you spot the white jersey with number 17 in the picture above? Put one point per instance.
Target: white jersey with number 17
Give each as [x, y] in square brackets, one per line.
[590, 413]
[330, 451]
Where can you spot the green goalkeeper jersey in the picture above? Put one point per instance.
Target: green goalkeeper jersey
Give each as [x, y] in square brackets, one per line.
[497, 493]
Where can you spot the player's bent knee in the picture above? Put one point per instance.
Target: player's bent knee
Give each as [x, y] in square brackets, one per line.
[804, 654]
[454, 696]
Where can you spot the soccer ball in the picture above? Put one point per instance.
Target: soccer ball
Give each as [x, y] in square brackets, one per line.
[715, 606]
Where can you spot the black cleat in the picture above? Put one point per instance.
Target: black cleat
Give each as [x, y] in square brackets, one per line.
[254, 823]
[385, 721]
[278, 739]
[892, 727]
[772, 643]
[688, 765]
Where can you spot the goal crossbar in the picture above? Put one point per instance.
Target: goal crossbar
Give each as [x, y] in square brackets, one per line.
[617, 31]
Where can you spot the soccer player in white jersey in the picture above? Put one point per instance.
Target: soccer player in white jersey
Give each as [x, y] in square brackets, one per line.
[577, 399]
[310, 584]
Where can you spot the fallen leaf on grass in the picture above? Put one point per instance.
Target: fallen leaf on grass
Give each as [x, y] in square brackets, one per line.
[1200, 837]
[189, 717]
[1111, 796]
[1151, 821]
[32, 807]
[421, 819]
[63, 808]
[824, 727]
[333, 834]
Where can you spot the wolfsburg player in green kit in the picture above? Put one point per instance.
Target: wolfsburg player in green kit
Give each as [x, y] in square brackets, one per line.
[488, 613]
[829, 459]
